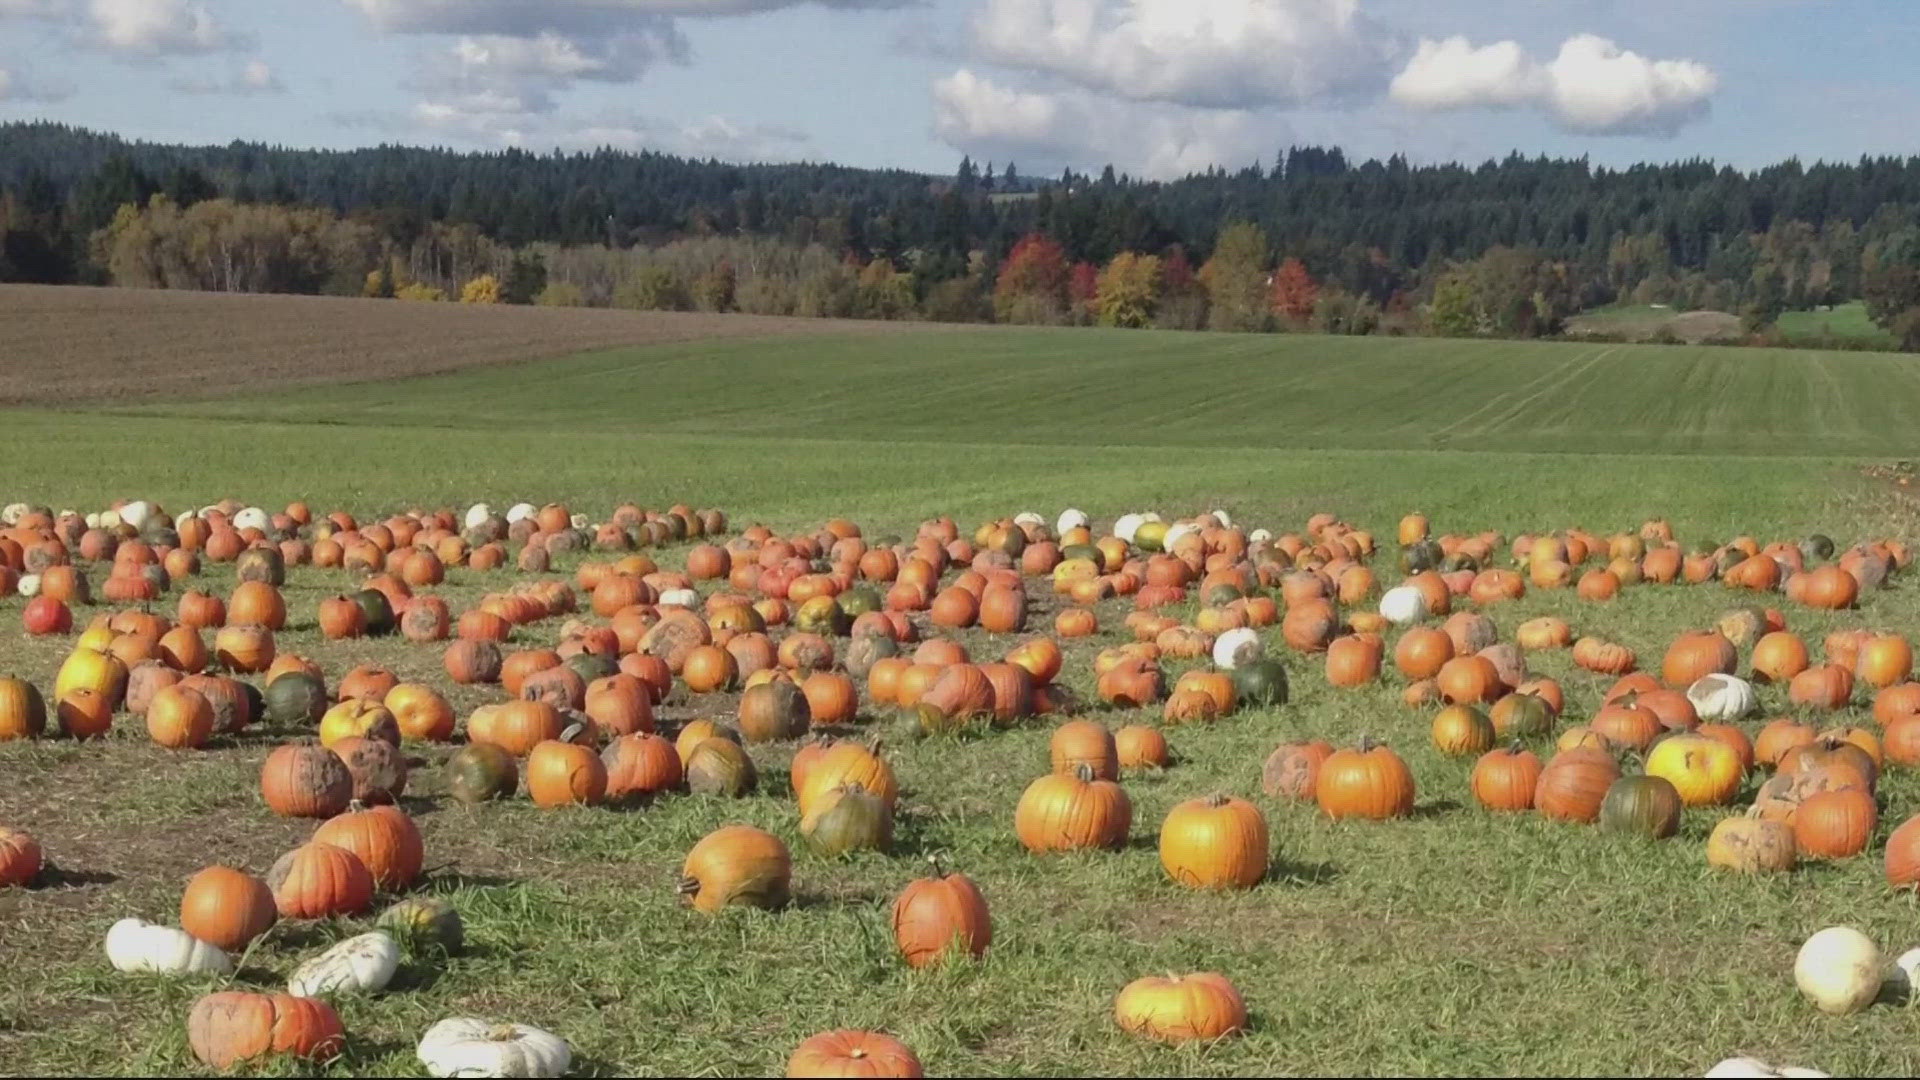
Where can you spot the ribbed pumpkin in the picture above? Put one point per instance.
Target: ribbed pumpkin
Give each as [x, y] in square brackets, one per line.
[736, 865]
[940, 916]
[1703, 771]
[230, 1027]
[1504, 779]
[179, 719]
[226, 908]
[1749, 844]
[561, 772]
[1421, 652]
[774, 711]
[515, 726]
[1693, 655]
[1884, 660]
[1072, 811]
[384, 838]
[640, 766]
[1292, 771]
[481, 772]
[1778, 657]
[1641, 805]
[1835, 824]
[1625, 723]
[1521, 716]
[846, 763]
[1469, 680]
[1088, 743]
[853, 1053]
[1181, 1008]
[1218, 842]
[1574, 784]
[1828, 686]
[319, 880]
[1353, 660]
[1903, 855]
[1369, 781]
[305, 780]
[23, 712]
[1142, 747]
[719, 766]
[1462, 730]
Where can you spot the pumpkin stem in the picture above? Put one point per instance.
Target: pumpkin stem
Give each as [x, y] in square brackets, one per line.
[687, 887]
[355, 806]
[1084, 772]
[1368, 743]
[1215, 801]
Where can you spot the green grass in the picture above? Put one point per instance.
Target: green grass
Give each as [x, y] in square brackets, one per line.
[1843, 323]
[1454, 942]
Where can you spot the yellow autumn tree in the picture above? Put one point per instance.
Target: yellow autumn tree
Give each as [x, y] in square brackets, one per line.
[1128, 290]
[419, 292]
[484, 289]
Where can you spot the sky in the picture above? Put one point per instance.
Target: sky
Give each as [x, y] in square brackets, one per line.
[1157, 88]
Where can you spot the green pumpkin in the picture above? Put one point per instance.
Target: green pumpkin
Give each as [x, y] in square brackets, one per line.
[1223, 593]
[849, 819]
[721, 767]
[825, 620]
[480, 772]
[1262, 682]
[1459, 560]
[295, 698]
[1646, 806]
[378, 610]
[1419, 557]
[424, 924]
[859, 601]
[590, 666]
[938, 722]
[1084, 551]
[1703, 547]
[1817, 546]
[1151, 536]
[865, 651]
[160, 534]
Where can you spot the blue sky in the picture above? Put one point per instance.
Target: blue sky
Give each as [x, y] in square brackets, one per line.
[1157, 87]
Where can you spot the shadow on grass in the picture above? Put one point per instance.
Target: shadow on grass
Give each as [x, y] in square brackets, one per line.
[54, 876]
[1436, 808]
[1290, 873]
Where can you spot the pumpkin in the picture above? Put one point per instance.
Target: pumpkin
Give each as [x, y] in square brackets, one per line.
[1214, 843]
[1421, 652]
[1141, 747]
[853, 1053]
[1403, 605]
[1703, 771]
[305, 780]
[847, 818]
[229, 1027]
[1839, 970]
[1469, 680]
[1574, 784]
[1751, 844]
[362, 964]
[420, 713]
[295, 698]
[134, 946]
[1352, 661]
[1520, 716]
[1504, 779]
[718, 766]
[1292, 771]
[319, 880]
[847, 763]
[1646, 806]
[561, 772]
[23, 712]
[775, 710]
[1604, 657]
[1086, 743]
[1827, 686]
[1070, 811]
[227, 908]
[179, 718]
[515, 726]
[1260, 684]
[1236, 647]
[384, 839]
[1835, 824]
[424, 924]
[1903, 855]
[640, 766]
[1133, 683]
[468, 1046]
[358, 717]
[1719, 697]
[1692, 656]
[480, 772]
[1369, 781]
[20, 857]
[938, 916]
[1884, 660]
[1460, 730]
[1625, 723]
[1829, 587]
[1181, 1008]
[1895, 703]
[256, 603]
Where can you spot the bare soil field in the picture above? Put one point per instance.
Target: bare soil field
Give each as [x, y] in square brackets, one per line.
[65, 345]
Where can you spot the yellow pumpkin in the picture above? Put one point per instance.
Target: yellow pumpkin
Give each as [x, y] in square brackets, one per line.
[96, 670]
[358, 717]
[1704, 770]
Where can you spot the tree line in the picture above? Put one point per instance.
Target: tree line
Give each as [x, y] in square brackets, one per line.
[1314, 241]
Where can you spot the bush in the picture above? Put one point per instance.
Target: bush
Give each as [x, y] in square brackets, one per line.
[561, 294]
[484, 289]
[419, 292]
[653, 288]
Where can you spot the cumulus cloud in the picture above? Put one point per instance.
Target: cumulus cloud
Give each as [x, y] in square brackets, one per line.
[1047, 130]
[1206, 53]
[256, 77]
[1592, 87]
[524, 18]
[156, 27]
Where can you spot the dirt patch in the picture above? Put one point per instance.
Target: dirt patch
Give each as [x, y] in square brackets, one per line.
[1695, 327]
[64, 346]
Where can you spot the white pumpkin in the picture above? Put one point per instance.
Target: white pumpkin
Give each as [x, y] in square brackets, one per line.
[1795, 1070]
[1718, 698]
[1241, 645]
[685, 598]
[1905, 974]
[1260, 536]
[1225, 521]
[1737, 1067]
[520, 510]
[1838, 969]
[1403, 604]
[465, 1046]
[580, 521]
[477, 514]
[29, 585]
[133, 945]
[106, 519]
[363, 964]
[93, 520]
[1028, 520]
[136, 513]
[1176, 533]
[1128, 524]
[1071, 519]
[253, 518]
[12, 513]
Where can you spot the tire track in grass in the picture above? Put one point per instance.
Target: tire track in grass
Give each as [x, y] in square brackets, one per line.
[1486, 420]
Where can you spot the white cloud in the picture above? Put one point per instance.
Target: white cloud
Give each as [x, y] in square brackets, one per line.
[19, 85]
[255, 77]
[525, 18]
[711, 137]
[38, 9]
[1206, 53]
[1592, 87]
[1044, 131]
[156, 27]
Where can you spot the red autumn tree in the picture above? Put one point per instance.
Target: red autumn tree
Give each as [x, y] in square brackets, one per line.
[1083, 290]
[1032, 287]
[1295, 293]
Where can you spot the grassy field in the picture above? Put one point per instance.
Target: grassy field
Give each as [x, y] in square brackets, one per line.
[1456, 941]
[1842, 322]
